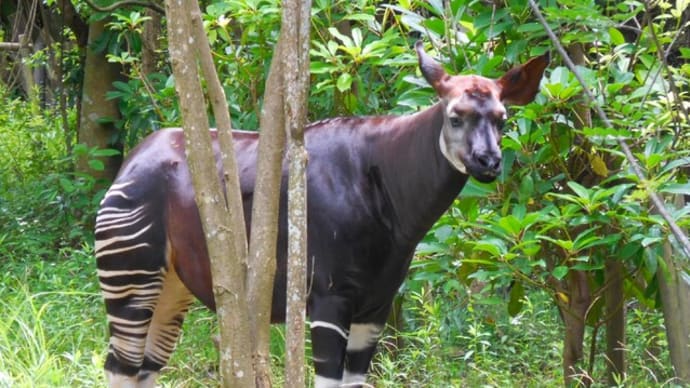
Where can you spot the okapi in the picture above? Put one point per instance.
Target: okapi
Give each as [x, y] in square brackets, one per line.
[376, 185]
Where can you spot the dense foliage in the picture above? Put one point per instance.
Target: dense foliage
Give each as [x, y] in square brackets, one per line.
[489, 282]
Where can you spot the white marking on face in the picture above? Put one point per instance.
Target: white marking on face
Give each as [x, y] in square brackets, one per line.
[325, 382]
[363, 336]
[450, 156]
[461, 112]
[328, 325]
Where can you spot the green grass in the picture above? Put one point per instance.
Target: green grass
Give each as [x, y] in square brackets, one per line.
[53, 334]
[51, 329]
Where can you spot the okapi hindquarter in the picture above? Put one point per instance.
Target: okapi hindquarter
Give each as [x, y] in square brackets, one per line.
[375, 187]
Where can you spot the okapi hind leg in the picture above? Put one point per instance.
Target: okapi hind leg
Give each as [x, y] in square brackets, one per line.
[130, 256]
[164, 330]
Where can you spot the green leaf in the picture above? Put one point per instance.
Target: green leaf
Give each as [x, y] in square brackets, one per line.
[510, 224]
[676, 188]
[96, 164]
[346, 40]
[474, 188]
[517, 292]
[67, 185]
[675, 164]
[492, 249]
[344, 82]
[565, 244]
[529, 27]
[526, 188]
[560, 272]
[580, 190]
[684, 52]
[104, 152]
[616, 36]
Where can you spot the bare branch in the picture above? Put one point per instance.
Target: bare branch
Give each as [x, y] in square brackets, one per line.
[12, 45]
[126, 3]
[634, 165]
[679, 106]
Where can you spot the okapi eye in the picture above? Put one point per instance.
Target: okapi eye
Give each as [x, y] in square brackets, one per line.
[455, 121]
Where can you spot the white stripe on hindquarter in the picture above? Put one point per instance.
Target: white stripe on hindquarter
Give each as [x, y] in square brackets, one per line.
[107, 252]
[115, 190]
[116, 224]
[113, 211]
[100, 244]
[115, 273]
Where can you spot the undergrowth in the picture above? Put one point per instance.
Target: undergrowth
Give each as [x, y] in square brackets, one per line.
[53, 334]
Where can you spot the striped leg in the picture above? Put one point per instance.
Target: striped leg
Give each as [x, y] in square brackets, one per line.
[130, 249]
[129, 308]
[361, 346]
[164, 329]
[330, 320]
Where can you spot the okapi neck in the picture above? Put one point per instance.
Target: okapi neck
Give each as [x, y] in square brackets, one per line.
[421, 182]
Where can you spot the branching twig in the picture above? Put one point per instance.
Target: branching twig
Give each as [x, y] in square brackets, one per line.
[126, 3]
[664, 65]
[634, 165]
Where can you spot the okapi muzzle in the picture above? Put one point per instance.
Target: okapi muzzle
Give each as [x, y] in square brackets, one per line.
[475, 112]
[376, 185]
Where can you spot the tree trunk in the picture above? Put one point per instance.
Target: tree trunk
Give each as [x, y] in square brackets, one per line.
[674, 288]
[224, 238]
[577, 285]
[264, 227]
[99, 75]
[296, 24]
[615, 323]
[27, 72]
[574, 314]
[150, 43]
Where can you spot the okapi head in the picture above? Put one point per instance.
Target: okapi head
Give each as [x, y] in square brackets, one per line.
[475, 112]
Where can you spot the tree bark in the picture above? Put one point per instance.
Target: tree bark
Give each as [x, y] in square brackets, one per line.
[574, 314]
[264, 227]
[615, 323]
[674, 289]
[296, 23]
[99, 75]
[222, 235]
[150, 43]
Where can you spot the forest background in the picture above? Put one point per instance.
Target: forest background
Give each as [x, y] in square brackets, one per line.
[562, 271]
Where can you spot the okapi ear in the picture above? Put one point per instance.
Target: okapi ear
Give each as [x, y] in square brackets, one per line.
[431, 70]
[520, 85]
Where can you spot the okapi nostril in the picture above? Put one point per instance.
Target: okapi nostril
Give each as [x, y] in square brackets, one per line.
[489, 161]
